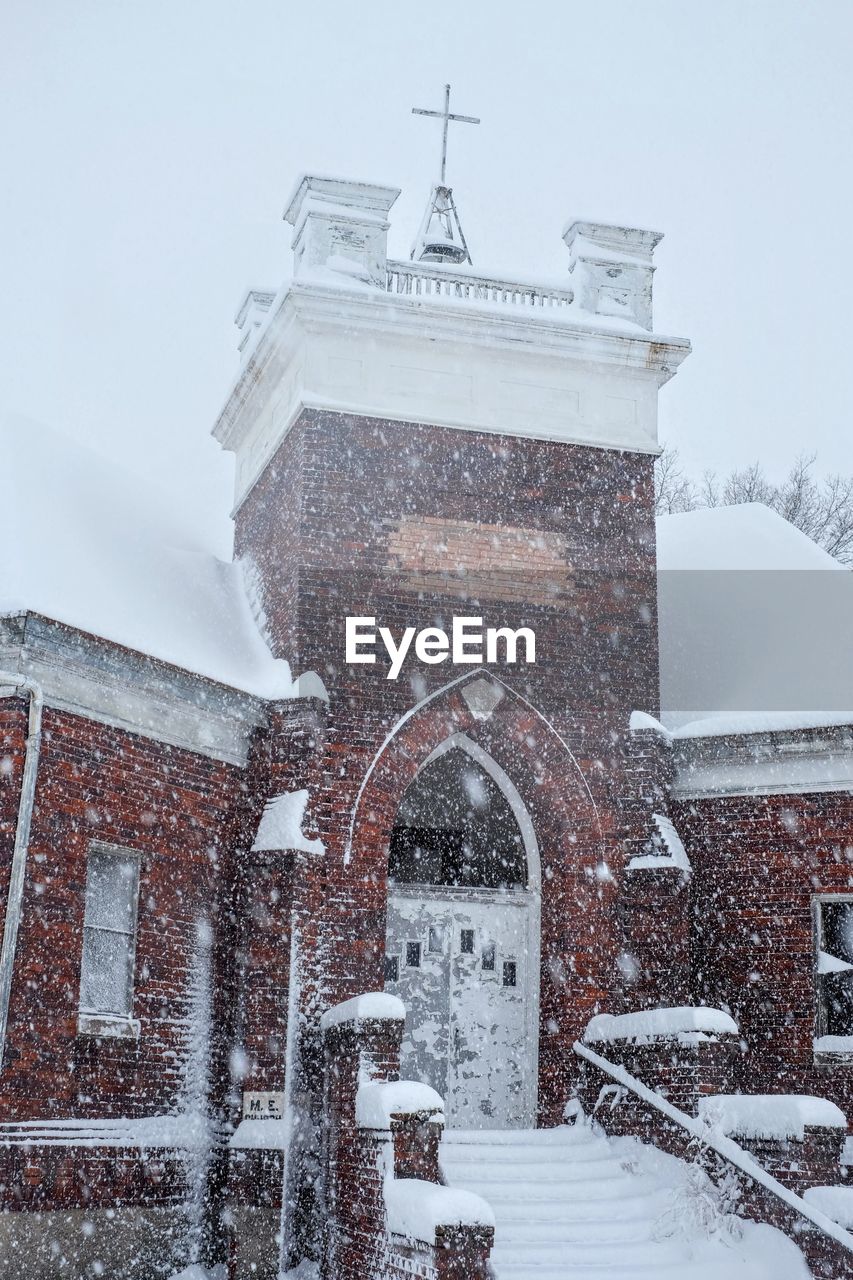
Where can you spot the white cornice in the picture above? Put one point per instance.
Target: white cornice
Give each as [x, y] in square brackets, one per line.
[92, 678]
[507, 370]
[764, 765]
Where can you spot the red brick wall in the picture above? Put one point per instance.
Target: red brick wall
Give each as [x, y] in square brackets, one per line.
[263, 959]
[97, 782]
[357, 1162]
[331, 508]
[48, 1179]
[757, 863]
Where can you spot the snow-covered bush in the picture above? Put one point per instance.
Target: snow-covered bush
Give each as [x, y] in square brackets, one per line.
[700, 1208]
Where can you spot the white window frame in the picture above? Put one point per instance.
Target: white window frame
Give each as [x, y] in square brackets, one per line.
[104, 1022]
[818, 902]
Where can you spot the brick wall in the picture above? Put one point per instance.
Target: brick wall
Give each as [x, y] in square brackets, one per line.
[357, 1162]
[681, 1071]
[758, 862]
[99, 783]
[56, 1178]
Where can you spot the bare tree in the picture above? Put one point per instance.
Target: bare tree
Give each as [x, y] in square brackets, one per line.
[821, 508]
[748, 485]
[673, 491]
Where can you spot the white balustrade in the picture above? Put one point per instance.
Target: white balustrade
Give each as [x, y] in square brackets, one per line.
[426, 280]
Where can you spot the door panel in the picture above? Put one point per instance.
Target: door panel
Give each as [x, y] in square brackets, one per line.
[425, 991]
[462, 972]
[488, 1049]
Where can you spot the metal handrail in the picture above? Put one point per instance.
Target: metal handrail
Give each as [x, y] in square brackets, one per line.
[724, 1146]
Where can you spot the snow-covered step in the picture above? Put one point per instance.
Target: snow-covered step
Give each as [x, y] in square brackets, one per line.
[585, 1208]
[580, 1230]
[601, 1251]
[573, 1204]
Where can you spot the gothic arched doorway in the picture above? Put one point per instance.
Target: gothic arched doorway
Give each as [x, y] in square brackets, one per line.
[462, 945]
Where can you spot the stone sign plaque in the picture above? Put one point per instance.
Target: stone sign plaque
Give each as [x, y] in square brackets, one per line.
[263, 1106]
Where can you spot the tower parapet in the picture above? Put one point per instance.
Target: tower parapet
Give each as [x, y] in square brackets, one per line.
[340, 226]
[611, 269]
[440, 342]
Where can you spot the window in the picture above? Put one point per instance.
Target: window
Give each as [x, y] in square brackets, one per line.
[488, 957]
[109, 932]
[834, 928]
[466, 942]
[392, 969]
[413, 955]
[456, 827]
[435, 940]
[510, 973]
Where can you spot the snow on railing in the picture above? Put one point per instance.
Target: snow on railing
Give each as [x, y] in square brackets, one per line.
[427, 280]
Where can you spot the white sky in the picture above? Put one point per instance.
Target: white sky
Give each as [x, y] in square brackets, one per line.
[148, 150]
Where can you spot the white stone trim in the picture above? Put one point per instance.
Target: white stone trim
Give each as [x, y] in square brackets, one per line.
[448, 363]
[709, 770]
[437, 693]
[111, 686]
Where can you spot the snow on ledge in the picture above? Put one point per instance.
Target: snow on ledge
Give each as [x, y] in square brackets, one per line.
[416, 1209]
[280, 826]
[686, 1023]
[827, 963]
[729, 724]
[833, 1044]
[641, 720]
[195, 1271]
[310, 685]
[186, 1132]
[373, 1005]
[669, 841]
[376, 1103]
[253, 1134]
[835, 1202]
[769, 1115]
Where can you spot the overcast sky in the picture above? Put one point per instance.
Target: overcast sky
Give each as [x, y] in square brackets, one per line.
[148, 150]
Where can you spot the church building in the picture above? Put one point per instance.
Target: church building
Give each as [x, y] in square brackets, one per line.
[362, 895]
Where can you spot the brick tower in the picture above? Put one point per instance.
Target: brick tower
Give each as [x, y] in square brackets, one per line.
[416, 443]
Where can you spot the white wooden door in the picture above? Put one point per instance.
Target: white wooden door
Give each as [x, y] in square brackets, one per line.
[461, 967]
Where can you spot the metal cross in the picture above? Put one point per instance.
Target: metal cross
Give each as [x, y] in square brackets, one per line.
[446, 116]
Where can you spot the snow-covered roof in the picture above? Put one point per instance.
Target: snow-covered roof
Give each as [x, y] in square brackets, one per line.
[87, 543]
[746, 536]
[755, 622]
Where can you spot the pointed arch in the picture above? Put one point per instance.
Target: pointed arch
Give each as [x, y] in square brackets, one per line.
[461, 741]
[526, 898]
[424, 706]
[577, 928]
